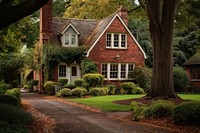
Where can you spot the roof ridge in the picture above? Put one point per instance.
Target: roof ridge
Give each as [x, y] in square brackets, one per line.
[79, 19]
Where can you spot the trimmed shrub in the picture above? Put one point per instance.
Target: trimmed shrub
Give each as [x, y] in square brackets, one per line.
[97, 91]
[6, 86]
[49, 87]
[79, 82]
[13, 115]
[131, 88]
[65, 92]
[112, 89]
[94, 79]
[34, 82]
[138, 110]
[160, 108]
[79, 92]
[142, 77]
[187, 113]
[62, 82]
[137, 90]
[70, 86]
[180, 79]
[14, 92]
[9, 99]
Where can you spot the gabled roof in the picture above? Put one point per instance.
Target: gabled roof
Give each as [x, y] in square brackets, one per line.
[194, 60]
[90, 30]
[67, 26]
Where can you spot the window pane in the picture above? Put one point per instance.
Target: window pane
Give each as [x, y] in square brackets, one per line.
[130, 69]
[108, 40]
[66, 39]
[123, 70]
[116, 40]
[62, 71]
[123, 40]
[73, 39]
[104, 70]
[113, 70]
[195, 72]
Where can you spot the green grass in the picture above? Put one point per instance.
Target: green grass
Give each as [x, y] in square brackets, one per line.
[190, 96]
[106, 102]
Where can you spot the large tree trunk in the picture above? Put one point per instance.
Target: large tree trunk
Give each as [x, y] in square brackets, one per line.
[161, 15]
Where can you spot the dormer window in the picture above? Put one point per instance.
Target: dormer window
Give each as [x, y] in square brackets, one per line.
[70, 40]
[116, 40]
[69, 36]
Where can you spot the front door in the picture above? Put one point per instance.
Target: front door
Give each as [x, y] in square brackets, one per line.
[75, 73]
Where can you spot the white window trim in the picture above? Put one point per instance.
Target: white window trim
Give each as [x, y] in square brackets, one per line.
[119, 41]
[70, 40]
[119, 71]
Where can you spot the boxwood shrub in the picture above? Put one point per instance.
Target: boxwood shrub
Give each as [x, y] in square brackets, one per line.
[49, 87]
[131, 88]
[112, 89]
[187, 113]
[70, 86]
[9, 99]
[63, 82]
[94, 79]
[79, 82]
[99, 91]
[79, 91]
[65, 92]
[160, 108]
[14, 92]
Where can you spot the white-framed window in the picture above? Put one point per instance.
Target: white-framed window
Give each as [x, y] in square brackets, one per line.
[62, 71]
[117, 71]
[116, 40]
[70, 40]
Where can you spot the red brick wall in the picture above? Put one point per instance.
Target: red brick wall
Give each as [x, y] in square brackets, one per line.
[99, 54]
[194, 83]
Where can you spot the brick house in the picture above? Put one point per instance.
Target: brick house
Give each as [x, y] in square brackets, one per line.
[192, 66]
[110, 44]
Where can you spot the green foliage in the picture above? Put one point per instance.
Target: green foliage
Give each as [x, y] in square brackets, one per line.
[9, 99]
[54, 55]
[79, 92]
[34, 82]
[14, 92]
[160, 108]
[59, 7]
[65, 92]
[112, 89]
[180, 79]
[142, 76]
[70, 86]
[192, 89]
[49, 87]
[14, 118]
[131, 88]
[94, 79]
[26, 87]
[6, 86]
[187, 113]
[63, 82]
[79, 82]
[98, 91]
[138, 110]
[88, 66]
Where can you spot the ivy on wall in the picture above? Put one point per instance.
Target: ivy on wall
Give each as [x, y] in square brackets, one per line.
[52, 56]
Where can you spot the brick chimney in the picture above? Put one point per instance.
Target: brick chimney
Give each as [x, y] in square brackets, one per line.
[123, 12]
[46, 23]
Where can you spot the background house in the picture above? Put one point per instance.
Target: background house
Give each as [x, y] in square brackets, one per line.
[108, 42]
[192, 66]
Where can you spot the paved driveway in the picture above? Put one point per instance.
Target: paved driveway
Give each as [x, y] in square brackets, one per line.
[73, 119]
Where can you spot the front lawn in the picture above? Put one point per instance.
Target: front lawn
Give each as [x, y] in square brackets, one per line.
[106, 102]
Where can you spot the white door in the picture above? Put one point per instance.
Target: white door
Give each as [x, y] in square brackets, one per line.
[75, 73]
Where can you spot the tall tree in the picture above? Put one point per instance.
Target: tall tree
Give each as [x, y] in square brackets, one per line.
[14, 10]
[161, 14]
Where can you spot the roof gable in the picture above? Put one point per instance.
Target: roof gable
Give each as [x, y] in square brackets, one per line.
[102, 27]
[67, 27]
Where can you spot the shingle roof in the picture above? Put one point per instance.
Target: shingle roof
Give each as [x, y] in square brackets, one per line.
[89, 29]
[84, 26]
[194, 60]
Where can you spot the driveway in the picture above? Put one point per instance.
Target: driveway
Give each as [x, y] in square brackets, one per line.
[73, 119]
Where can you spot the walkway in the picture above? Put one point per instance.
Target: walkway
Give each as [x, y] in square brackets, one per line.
[71, 119]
